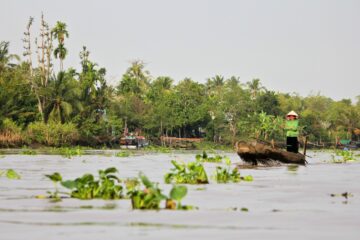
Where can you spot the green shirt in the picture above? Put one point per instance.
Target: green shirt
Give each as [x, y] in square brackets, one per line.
[292, 128]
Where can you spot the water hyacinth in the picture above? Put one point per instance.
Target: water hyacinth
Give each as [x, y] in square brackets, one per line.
[189, 173]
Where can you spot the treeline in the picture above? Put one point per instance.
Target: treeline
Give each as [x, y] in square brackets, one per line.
[39, 106]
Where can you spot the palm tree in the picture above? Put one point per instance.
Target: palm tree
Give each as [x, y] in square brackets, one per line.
[233, 82]
[215, 82]
[64, 95]
[163, 83]
[60, 52]
[5, 57]
[137, 72]
[60, 32]
[136, 80]
[255, 87]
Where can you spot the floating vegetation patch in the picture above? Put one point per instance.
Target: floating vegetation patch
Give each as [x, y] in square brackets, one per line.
[292, 168]
[106, 186]
[143, 193]
[160, 149]
[122, 154]
[148, 195]
[204, 157]
[243, 209]
[87, 187]
[131, 183]
[189, 173]
[109, 206]
[346, 195]
[27, 151]
[10, 174]
[226, 174]
[343, 156]
[68, 152]
[55, 178]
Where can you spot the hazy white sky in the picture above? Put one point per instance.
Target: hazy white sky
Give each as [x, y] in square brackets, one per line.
[306, 46]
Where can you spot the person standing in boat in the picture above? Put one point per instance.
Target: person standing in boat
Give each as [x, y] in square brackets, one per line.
[292, 132]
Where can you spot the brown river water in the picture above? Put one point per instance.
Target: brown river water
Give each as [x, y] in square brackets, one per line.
[283, 202]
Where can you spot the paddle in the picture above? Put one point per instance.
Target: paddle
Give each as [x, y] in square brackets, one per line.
[305, 143]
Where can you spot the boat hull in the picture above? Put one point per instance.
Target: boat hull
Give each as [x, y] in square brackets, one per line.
[256, 153]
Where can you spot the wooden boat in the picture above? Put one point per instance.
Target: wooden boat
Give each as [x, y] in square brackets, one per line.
[256, 152]
[133, 142]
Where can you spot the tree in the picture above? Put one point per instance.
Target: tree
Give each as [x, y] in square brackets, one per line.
[158, 118]
[27, 46]
[215, 82]
[60, 32]
[268, 102]
[255, 87]
[5, 57]
[64, 96]
[16, 99]
[136, 80]
[44, 52]
[189, 107]
[237, 106]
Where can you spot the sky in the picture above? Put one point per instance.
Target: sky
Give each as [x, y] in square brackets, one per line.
[306, 47]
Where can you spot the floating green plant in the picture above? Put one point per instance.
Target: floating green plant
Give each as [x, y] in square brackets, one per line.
[190, 173]
[204, 157]
[177, 193]
[122, 154]
[160, 149]
[226, 174]
[343, 156]
[69, 152]
[55, 178]
[107, 186]
[292, 168]
[10, 174]
[344, 194]
[243, 209]
[27, 151]
[148, 195]
[131, 183]
[143, 193]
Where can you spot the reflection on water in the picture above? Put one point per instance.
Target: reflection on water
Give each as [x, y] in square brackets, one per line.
[292, 168]
[304, 202]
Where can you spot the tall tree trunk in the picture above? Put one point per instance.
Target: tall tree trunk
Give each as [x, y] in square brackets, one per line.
[61, 65]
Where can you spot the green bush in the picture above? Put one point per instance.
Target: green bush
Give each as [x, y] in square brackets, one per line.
[52, 134]
[10, 133]
[10, 127]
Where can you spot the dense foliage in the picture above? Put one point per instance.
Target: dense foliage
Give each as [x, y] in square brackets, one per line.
[79, 107]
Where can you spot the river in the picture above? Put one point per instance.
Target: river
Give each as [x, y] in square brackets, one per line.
[283, 202]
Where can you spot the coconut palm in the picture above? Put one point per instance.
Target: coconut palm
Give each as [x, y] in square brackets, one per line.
[136, 80]
[255, 87]
[215, 82]
[64, 94]
[5, 57]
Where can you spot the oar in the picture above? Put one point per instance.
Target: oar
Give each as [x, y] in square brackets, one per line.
[305, 143]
